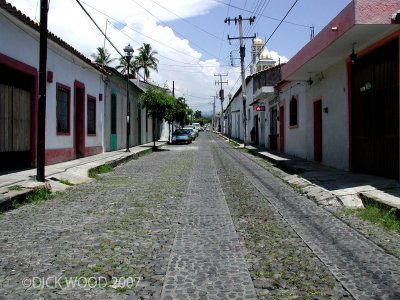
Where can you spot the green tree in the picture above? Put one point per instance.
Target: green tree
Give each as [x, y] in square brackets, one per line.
[157, 103]
[181, 114]
[197, 114]
[189, 113]
[146, 60]
[102, 57]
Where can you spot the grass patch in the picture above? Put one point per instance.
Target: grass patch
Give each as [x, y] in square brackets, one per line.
[381, 214]
[93, 173]
[234, 143]
[15, 188]
[65, 181]
[38, 195]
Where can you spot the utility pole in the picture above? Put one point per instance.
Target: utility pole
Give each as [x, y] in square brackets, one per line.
[41, 127]
[242, 55]
[213, 118]
[221, 97]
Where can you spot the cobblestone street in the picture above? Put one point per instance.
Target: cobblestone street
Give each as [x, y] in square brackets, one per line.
[202, 221]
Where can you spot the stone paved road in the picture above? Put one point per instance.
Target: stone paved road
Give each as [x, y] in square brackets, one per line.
[363, 268]
[188, 223]
[114, 230]
[206, 260]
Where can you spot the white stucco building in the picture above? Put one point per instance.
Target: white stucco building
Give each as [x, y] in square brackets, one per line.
[74, 91]
[339, 95]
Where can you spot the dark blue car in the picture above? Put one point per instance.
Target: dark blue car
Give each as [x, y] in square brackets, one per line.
[181, 136]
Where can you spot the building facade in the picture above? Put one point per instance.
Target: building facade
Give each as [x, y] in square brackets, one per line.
[339, 98]
[74, 91]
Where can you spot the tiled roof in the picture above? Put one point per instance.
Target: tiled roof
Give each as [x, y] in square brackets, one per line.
[25, 19]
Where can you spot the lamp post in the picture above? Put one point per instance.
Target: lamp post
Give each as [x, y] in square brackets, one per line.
[128, 55]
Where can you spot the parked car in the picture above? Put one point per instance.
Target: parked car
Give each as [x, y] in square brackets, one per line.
[197, 126]
[181, 136]
[193, 132]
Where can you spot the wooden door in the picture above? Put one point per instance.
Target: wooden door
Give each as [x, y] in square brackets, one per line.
[15, 127]
[318, 130]
[375, 112]
[79, 120]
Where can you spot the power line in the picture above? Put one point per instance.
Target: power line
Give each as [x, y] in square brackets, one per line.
[137, 31]
[98, 27]
[281, 21]
[177, 32]
[261, 15]
[185, 20]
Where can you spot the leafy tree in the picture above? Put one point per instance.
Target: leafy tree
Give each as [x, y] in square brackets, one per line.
[181, 111]
[157, 103]
[146, 60]
[189, 114]
[102, 56]
[170, 114]
[197, 114]
[201, 120]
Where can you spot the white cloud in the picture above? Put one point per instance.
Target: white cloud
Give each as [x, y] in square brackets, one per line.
[275, 55]
[129, 23]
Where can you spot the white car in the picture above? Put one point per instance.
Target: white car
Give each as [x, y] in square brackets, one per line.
[197, 126]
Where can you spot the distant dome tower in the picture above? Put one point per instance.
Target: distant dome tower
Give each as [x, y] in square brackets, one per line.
[256, 49]
[264, 61]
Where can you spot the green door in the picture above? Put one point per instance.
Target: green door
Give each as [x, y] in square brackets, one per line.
[139, 120]
[113, 123]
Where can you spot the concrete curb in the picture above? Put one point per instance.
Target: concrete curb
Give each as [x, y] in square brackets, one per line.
[312, 191]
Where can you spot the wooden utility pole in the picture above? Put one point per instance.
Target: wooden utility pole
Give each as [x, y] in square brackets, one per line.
[221, 97]
[213, 118]
[242, 55]
[41, 126]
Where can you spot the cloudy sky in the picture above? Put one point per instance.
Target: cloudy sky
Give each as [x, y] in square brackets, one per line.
[190, 36]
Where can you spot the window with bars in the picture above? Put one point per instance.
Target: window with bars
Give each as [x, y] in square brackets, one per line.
[91, 115]
[63, 109]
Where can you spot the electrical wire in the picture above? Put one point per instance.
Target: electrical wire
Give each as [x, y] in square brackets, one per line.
[261, 15]
[178, 33]
[165, 45]
[281, 21]
[187, 21]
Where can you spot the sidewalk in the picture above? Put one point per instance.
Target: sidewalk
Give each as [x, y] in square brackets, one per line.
[332, 187]
[74, 171]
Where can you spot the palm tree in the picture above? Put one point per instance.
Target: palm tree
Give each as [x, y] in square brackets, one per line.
[146, 60]
[133, 67]
[102, 56]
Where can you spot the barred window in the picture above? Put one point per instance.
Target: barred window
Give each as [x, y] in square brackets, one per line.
[91, 115]
[63, 109]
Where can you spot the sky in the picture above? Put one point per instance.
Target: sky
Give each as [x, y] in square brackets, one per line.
[190, 36]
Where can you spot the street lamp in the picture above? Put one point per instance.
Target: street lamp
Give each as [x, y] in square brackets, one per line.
[128, 55]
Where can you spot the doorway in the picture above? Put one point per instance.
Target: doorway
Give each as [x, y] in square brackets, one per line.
[16, 97]
[282, 128]
[375, 112]
[79, 119]
[318, 130]
[113, 123]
